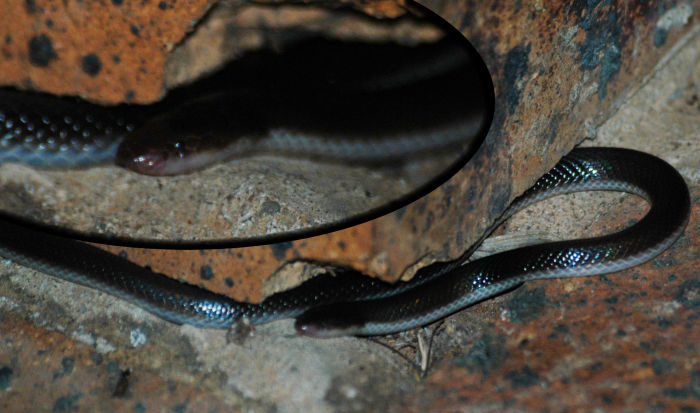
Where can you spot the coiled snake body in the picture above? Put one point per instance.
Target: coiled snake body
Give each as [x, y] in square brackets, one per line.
[349, 303]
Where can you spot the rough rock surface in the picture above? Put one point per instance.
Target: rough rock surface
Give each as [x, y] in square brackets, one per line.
[625, 341]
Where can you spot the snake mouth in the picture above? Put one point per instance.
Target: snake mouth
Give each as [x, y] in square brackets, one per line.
[166, 161]
[147, 163]
[332, 320]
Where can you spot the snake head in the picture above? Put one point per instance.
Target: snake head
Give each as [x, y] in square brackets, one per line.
[333, 320]
[150, 153]
[149, 163]
[175, 143]
[190, 138]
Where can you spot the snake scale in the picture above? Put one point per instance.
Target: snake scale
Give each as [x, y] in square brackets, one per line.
[349, 303]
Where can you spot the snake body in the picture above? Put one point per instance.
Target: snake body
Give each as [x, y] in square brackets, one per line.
[46, 131]
[349, 303]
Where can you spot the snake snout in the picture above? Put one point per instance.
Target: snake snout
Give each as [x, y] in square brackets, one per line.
[147, 162]
[332, 320]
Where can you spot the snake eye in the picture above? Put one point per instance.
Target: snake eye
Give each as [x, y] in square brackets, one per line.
[180, 149]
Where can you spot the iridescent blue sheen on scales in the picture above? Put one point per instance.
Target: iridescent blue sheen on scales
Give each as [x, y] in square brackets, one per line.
[349, 303]
[42, 131]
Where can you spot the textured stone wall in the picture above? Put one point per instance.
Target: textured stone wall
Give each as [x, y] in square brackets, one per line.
[559, 70]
